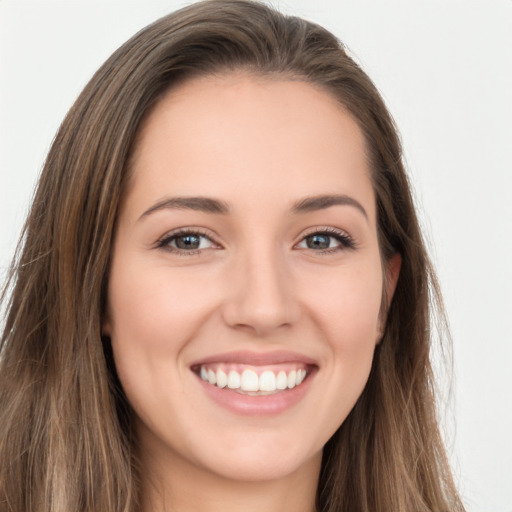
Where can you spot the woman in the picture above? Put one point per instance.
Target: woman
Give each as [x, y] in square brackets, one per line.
[223, 296]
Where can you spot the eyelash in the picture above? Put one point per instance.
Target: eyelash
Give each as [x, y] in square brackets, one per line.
[344, 239]
[164, 243]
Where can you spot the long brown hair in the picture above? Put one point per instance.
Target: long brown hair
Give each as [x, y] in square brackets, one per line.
[65, 436]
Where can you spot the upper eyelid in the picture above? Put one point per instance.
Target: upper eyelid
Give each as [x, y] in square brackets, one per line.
[189, 231]
[325, 229]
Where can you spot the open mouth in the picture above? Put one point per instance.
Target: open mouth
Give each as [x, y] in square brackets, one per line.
[253, 380]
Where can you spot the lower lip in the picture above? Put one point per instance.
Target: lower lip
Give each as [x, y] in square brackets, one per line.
[257, 405]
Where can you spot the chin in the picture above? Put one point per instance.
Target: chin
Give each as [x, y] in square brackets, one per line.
[256, 458]
[265, 469]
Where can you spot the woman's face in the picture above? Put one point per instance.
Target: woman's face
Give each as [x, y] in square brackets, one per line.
[246, 281]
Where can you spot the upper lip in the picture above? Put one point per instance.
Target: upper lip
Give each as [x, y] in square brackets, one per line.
[256, 358]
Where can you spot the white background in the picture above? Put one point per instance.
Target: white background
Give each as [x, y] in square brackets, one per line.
[445, 69]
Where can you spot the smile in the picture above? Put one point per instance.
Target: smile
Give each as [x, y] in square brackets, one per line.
[253, 380]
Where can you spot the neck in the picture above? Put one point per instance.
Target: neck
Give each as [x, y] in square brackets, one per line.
[182, 487]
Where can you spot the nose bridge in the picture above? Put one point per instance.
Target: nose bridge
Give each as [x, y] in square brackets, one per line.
[261, 297]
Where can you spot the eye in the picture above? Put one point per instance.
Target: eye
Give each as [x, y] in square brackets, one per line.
[326, 241]
[187, 242]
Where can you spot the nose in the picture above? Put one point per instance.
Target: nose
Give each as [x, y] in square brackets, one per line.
[261, 296]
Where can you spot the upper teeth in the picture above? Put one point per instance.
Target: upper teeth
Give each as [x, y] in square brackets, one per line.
[250, 381]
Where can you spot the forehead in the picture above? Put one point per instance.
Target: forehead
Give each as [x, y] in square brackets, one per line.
[238, 134]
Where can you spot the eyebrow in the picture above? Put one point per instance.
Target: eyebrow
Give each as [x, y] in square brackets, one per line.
[322, 202]
[200, 204]
[210, 205]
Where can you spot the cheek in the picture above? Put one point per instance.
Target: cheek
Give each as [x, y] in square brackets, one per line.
[346, 310]
[155, 309]
[347, 304]
[150, 319]
[153, 314]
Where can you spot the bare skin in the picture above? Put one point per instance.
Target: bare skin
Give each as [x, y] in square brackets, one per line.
[246, 244]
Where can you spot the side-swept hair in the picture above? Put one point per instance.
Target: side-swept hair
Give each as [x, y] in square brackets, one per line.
[65, 434]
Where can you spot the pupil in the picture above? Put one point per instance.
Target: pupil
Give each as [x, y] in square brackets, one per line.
[318, 242]
[187, 242]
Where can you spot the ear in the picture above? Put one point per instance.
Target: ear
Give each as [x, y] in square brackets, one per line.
[391, 274]
[106, 327]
